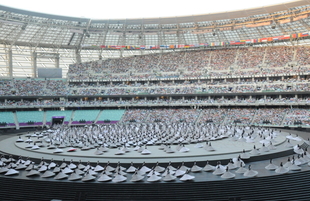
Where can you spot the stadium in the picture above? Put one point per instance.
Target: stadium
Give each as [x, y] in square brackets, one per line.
[201, 107]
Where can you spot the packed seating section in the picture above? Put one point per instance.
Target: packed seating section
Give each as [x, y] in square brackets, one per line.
[199, 63]
[206, 75]
[235, 85]
[206, 67]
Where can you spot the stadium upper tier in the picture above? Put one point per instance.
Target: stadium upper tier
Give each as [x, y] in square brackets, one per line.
[197, 64]
[30, 40]
[227, 71]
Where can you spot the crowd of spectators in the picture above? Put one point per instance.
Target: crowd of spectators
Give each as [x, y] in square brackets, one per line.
[32, 103]
[172, 61]
[79, 71]
[207, 63]
[121, 65]
[279, 56]
[146, 63]
[219, 89]
[135, 115]
[185, 90]
[203, 86]
[240, 115]
[303, 87]
[297, 116]
[156, 101]
[203, 63]
[185, 115]
[30, 87]
[190, 64]
[6, 88]
[250, 58]
[283, 116]
[211, 115]
[223, 59]
[203, 73]
[197, 61]
[245, 88]
[275, 87]
[86, 92]
[160, 115]
[272, 116]
[232, 116]
[302, 55]
[49, 87]
[192, 74]
[57, 87]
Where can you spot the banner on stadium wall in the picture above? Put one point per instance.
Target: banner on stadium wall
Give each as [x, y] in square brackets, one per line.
[239, 42]
[203, 45]
[263, 40]
[284, 21]
[300, 17]
[258, 24]
[300, 35]
[237, 27]
[284, 37]
[225, 29]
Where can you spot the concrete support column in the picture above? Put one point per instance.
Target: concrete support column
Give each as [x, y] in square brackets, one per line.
[10, 58]
[34, 63]
[78, 56]
[57, 62]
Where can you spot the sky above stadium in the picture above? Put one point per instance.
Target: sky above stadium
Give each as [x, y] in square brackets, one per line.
[122, 9]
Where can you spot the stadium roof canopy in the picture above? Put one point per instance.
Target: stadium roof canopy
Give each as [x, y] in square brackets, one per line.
[28, 28]
[77, 39]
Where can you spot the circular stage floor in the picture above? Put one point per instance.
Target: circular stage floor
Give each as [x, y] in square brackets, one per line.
[224, 149]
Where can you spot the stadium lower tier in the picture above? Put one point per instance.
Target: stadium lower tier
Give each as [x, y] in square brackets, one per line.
[275, 116]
